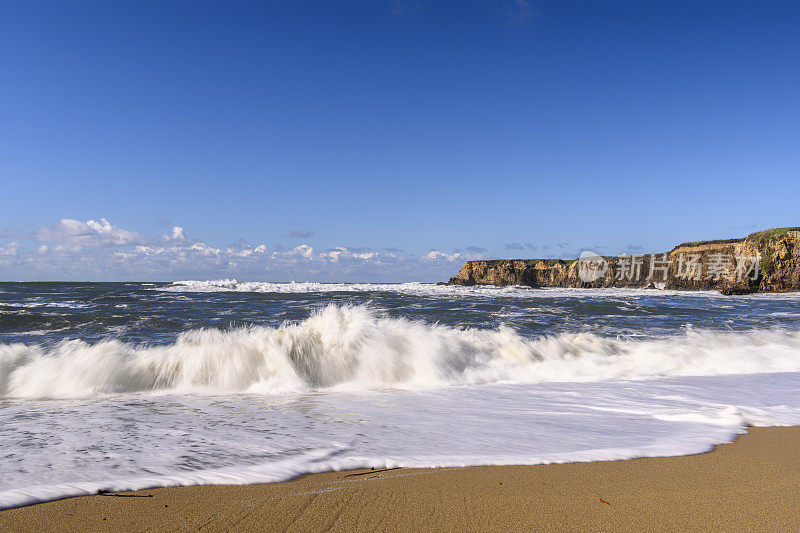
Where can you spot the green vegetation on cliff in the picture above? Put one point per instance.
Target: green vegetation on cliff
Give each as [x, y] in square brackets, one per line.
[700, 243]
[766, 266]
[548, 262]
[759, 237]
[763, 237]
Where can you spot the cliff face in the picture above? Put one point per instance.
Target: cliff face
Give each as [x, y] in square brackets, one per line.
[530, 272]
[766, 261]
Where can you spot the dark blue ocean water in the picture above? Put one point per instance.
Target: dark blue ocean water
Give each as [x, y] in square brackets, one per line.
[157, 312]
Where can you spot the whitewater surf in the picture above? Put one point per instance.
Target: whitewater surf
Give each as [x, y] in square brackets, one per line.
[123, 386]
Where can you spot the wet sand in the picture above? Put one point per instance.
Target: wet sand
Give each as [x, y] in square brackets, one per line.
[752, 484]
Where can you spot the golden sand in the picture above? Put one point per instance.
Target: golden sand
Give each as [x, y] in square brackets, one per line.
[752, 484]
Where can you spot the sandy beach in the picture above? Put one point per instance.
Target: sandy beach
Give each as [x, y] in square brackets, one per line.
[753, 484]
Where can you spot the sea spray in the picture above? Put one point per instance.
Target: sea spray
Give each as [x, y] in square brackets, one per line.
[360, 348]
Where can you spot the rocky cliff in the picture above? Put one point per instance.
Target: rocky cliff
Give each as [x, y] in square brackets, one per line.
[766, 261]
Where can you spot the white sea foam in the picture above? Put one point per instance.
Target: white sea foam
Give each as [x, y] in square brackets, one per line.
[33, 305]
[358, 348]
[416, 289]
[134, 442]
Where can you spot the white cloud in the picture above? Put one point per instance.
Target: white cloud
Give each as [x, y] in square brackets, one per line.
[89, 233]
[205, 249]
[246, 250]
[10, 249]
[334, 254]
[176, 235]
[436, 255]
[304, 250]
[8, 253]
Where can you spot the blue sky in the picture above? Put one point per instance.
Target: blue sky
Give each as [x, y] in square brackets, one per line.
[401, 137]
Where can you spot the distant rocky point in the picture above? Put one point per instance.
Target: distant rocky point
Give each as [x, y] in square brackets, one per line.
[765, 261]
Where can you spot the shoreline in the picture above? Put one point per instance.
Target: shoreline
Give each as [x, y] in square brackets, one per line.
[752, 482]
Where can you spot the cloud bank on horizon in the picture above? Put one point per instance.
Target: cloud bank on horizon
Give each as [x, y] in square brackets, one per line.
[71, 249]
[97, 250]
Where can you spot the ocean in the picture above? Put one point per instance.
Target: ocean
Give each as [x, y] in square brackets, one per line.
[116, 386]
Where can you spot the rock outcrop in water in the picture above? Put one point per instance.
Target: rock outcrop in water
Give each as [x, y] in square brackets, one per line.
[766, 261]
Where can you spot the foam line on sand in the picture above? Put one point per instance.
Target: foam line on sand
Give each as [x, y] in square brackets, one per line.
[753, 483]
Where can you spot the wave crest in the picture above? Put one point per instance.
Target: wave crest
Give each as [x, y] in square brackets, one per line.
[357, 347]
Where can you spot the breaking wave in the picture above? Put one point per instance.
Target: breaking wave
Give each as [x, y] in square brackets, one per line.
[410, 288]
[357, 347]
